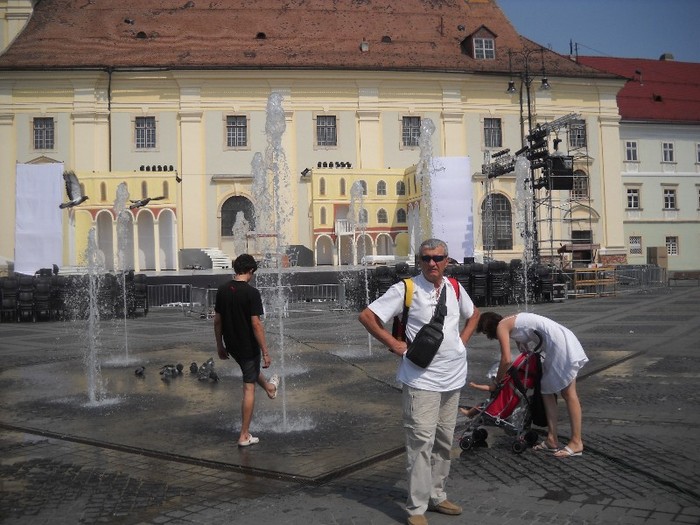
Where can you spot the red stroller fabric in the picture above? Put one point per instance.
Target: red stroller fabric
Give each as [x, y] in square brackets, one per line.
[522, 371]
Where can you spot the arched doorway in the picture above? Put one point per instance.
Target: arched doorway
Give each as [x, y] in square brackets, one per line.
[167, 240]
[146, 239]
[324, 251]
[105, 238]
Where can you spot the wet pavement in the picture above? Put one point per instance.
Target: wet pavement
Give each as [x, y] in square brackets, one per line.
[331, 450]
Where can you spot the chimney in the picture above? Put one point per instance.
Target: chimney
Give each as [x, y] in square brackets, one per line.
[667, 56]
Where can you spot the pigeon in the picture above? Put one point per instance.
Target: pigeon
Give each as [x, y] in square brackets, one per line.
[142, 202]
[140, 371]
[73, 189]
[178, 179]
[193, 368]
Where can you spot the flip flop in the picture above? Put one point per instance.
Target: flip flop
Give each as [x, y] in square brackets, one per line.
[568, 453]
[543, 446]
[274, 380]
[252, 440]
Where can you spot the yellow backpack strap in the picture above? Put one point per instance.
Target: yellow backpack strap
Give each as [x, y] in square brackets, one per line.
[408, 297]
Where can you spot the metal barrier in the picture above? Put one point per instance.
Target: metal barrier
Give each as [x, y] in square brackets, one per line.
[640, 276]
[200, 302]
[170, 295]
[203, 300]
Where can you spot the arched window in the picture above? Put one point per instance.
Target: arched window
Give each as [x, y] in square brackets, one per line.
[229, 210]
[364, 186]
[382, 217]
[381, 188]
[103, 191]
[401, 216]
[144, 189]
[497, 223]
[362, 216]
[401, 188]
[342, 186]
[166, 189]
[321, 186]
[323, 216]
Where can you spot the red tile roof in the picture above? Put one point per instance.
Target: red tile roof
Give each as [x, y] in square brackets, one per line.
[422, 35]
[663, 90]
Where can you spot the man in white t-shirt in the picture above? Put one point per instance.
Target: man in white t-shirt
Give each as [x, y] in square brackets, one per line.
[431, 394]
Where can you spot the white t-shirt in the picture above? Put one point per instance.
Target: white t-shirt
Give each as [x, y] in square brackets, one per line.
[448, 370]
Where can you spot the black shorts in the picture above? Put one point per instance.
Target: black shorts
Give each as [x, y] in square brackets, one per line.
[250, 367]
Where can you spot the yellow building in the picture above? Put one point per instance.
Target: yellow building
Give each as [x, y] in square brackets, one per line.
[111, 90]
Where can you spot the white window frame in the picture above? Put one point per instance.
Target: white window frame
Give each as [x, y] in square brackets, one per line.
[484, 48]
[233, 131]
[672, 245]
[381, 187]
[151, 134]
[410, 133]
[401, 216]
[631, 151]
[400, 188]
[580, 189]
[326, 131]
[632, 195]
[43, 135]
[667, 153]
[670, 199]
[493, 133]
[577, 134]
[382, 216]
[635, 244]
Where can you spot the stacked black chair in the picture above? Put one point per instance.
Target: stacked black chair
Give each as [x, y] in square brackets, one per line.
[544, 283]
[462, 273]
[517, 281]
[498, 283]
[25, 299]
[480, 285]
[140, 293]
[42, 296]
[383, 278]
[8, 298]
[59, 293]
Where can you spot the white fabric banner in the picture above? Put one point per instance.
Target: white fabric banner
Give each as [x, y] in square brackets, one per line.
[452, 214]
[38, 219]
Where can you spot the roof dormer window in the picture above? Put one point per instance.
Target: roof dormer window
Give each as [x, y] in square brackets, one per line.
[484, 48]
[480, 45]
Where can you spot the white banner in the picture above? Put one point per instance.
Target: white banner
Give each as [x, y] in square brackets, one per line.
[452, 214]
[38, 219]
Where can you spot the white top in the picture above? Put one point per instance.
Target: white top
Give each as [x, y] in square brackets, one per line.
[562, 353]
[448, 370]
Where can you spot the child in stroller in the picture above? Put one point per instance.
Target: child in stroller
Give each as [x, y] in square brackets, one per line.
[511, 405]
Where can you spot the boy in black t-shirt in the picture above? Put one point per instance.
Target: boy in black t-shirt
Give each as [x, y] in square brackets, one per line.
[240, 334]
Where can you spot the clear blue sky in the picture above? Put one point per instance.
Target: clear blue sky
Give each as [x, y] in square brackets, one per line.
[618, 28]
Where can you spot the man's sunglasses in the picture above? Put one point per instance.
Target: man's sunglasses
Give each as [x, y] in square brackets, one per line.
[436, 258]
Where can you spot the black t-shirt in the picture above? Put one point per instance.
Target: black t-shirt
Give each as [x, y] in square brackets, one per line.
[237, 302]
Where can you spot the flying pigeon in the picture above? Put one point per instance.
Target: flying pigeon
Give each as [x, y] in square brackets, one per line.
[73, 189]
[142, 202]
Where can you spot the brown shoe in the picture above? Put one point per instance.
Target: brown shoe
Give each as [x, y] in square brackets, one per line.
[417, 519]
[445, 507]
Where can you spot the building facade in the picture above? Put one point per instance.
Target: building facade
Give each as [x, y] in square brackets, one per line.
[660, 153]
[168, 102]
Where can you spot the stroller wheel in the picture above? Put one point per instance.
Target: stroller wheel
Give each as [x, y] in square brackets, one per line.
[531, 438]
[518, 447]
[466, 443]
[480, 434]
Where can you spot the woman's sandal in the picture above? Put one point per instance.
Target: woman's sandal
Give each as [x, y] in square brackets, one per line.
[543, 446]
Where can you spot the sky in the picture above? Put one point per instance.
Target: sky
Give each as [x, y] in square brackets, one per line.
[617, 28]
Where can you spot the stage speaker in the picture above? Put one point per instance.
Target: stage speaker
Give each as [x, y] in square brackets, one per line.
[561, 173]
